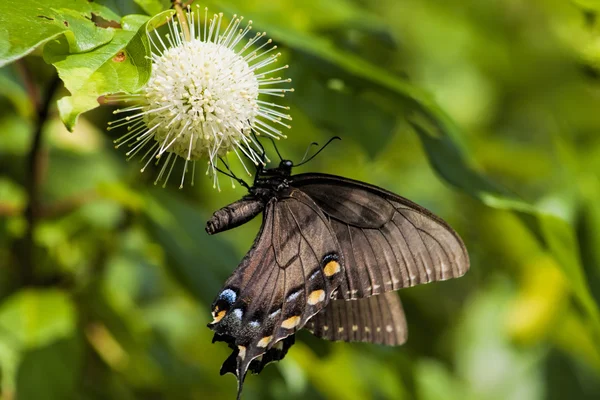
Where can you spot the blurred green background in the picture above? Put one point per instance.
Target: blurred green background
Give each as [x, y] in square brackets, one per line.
[485, 112]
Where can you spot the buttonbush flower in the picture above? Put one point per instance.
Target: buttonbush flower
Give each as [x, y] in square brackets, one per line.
[209, 89]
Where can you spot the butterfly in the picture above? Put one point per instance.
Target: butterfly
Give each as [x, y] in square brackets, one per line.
[329, 256]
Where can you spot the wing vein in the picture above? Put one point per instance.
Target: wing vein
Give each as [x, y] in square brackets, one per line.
[410, 279]
[424, 245]
[377, 263]
[302, 234]
[316, 258]
[443, 249]
[371, 279]
[439, 221]
[381, 320]
[354, 264]
[397, 260]
[391, 336]
[304, 273]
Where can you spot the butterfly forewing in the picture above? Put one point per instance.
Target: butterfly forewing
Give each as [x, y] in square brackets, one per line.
[287, 277]
[376, 319]
[387, 241]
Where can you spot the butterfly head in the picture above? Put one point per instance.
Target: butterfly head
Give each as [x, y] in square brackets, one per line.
[285, 166]
[284, 169]
[273, 177]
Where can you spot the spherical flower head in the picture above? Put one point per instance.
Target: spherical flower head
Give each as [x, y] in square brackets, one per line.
[202, 99]
[214, 98]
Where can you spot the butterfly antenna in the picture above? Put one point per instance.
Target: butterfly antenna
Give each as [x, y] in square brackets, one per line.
[262, 148]
[307, 150]
[264, 159]
[263, 156]
[231, 174]
[276, 149]
[318, 151]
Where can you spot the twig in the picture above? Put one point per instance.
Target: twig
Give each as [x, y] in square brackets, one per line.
[32, 180]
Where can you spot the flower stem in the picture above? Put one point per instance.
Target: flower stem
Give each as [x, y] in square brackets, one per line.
[182, 19]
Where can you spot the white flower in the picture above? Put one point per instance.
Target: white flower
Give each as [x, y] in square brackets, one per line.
[202, 99]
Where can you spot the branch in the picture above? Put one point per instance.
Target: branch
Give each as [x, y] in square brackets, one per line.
[32, 180]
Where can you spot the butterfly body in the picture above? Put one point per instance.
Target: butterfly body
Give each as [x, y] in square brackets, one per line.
[269, 185]
[329, 254]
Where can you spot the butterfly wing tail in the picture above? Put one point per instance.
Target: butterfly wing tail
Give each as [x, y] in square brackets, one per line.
[241, 375]
[235, 365]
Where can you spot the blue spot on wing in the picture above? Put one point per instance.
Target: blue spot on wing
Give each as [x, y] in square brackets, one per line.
[228, 295]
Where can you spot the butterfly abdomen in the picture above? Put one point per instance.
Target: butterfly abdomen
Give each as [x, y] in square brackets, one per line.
[234, 215]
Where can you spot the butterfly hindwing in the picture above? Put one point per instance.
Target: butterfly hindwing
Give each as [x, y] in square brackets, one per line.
[388, 242]
[275, 353]
[287, 277]
[375, 319]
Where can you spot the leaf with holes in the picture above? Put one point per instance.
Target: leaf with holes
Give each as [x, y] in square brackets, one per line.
[25, 25]
[118, 66]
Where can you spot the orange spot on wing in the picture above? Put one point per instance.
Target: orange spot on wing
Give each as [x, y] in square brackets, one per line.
[242, 352]
[291, 322]
[264, 342]
[316, 297]
[219, 316]
[331, 268]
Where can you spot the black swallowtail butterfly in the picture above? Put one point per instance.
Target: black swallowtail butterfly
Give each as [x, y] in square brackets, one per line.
[330, 253]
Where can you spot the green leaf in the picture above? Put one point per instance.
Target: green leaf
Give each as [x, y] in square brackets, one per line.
[449, 160]
[588, 4]
[200, 262]
[480, 338]
[15, 138]
[339, 364]
[358, 67]
[34, 318]
[83, 35]
[435, 382]
[12, 195]
[15, 92]
[338, 107]
[119, 66]
[25, 25]
[562, 242]
[51, 372]
[590, 225]
[108, 10]
[151, 7]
